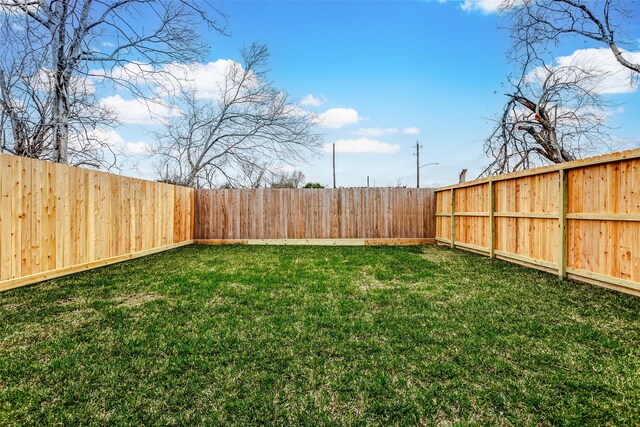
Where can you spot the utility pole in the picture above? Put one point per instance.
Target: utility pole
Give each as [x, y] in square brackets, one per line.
[334, 165]
[367, 181]
[417, 164]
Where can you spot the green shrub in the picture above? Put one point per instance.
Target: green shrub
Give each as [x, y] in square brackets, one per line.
[313, 185]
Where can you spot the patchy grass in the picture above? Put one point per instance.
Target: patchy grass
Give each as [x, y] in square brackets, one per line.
[318, 336]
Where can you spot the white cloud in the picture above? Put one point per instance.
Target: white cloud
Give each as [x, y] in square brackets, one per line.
[113, 139]
[484, 6]
[361, 145]
[130, 73]
[136, 111]
[311, 101]
[386, 131]
[109, 137]
[336, 118]
[411, 130]
[618, 79]
[206, 79]
[80, 85]
[376, 131]
[615, 78]
[139, 147]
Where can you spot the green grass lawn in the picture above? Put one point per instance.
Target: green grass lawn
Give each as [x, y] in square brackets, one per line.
[251, 335]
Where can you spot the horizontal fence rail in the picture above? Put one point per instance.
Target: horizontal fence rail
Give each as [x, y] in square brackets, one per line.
[294, 214]
[57, 219]
[579, 219]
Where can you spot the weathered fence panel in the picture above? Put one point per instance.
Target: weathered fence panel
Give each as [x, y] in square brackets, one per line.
[56, 219]
[580, 219]
[346, 213]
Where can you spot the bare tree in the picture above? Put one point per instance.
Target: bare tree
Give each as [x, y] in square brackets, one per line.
[253, 175]
[284, 179]
[25, 109]
[538, 23]
[251, 124]
[71, 40]
[250, 175]
[553, 115]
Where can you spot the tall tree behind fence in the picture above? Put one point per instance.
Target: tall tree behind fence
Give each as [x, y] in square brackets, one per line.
[349, 213]
[580, 219]
[57, 219]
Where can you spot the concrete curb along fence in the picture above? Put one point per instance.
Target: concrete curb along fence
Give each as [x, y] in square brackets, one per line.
[580, 220]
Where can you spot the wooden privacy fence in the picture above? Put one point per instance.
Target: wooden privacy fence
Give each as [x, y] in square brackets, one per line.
[580, 219]
[57, 219]
[362, 215]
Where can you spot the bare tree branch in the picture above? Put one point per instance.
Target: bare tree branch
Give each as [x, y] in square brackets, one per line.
[553, 115]
[250, 126]
[284, 179]
[538, 23]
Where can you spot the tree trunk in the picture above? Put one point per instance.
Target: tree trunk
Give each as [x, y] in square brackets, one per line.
[61, 120]
[61, 79]
[18, 128]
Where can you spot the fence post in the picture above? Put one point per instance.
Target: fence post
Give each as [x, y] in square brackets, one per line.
[453, 218]
[562, 227]
[492, 224]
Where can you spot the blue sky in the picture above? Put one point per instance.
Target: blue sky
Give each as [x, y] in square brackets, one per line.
[402, 66]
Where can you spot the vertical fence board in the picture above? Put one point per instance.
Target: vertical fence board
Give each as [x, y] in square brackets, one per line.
[5, 218]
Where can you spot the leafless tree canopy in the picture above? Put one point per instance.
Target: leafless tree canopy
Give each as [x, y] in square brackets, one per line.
[553, 115]
[53, 52]
[284, 179]
[537, 23]
[26, 117]
[249, 126]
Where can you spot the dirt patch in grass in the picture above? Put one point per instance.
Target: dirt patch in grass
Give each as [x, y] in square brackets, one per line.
[11, 307]
[54, 327]
[75, 319]
[136, 300]
[64, 302]
[240, 287]
[439, 255]
[366, 282]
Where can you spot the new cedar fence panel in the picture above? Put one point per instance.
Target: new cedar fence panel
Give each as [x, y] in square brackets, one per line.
[580, 219]
[348, 213]
[56, 219]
